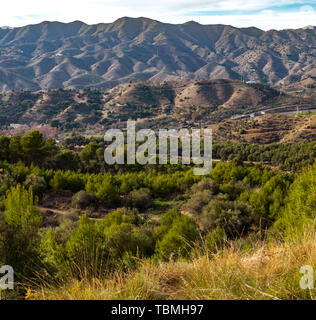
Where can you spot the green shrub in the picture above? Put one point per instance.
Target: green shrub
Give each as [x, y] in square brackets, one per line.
[131, 181]
[270, 200]
[83, 199]
[198, 201]
[234, 217]
[205, 184]
[105, 188]
[68, 180]
[140, 199]
[37, 183]
[94, 249]
[300, 210]
[234, 189]
[177, 238]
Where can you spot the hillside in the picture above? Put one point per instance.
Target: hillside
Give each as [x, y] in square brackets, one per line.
[76, 55]
[243, 232]
[267, 129]
[170, 104]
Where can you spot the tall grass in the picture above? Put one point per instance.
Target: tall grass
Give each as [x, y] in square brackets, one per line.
[268, 270]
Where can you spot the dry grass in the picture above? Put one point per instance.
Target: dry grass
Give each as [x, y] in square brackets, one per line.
[265, 272]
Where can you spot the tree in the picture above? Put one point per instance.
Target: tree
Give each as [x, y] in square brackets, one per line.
[33, 147]
[20, 210]
[15, 150]
[50, 151]
[67, 160]
[92, 157]
[4, 148]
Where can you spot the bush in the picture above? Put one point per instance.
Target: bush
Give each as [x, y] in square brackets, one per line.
[234, 217]
[205, 184]
[176, 235]
[37, 183]
[270, 200]
[140, 199]
[67, 226]
[201, 194]
[198, 201]
[105, 188]
[234, 190]
[67, 180]
[94, 249]
[300, 210]
[131, 181]
[84, 199]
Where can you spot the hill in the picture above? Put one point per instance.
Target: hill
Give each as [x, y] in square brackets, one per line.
[267, 129]
[170, 104]
[76, 55]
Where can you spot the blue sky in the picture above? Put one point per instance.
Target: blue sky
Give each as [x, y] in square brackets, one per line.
[286, 8]
[264, 14]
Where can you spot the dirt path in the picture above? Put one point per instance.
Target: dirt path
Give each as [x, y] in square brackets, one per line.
[63, 212]
[43, 209]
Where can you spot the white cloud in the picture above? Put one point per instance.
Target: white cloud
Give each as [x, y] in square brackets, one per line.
[264, 21]
[18, 12]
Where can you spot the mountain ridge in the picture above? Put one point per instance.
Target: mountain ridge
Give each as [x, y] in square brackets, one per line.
[53, 55]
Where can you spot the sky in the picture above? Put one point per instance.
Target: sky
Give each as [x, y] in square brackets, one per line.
[263, 14]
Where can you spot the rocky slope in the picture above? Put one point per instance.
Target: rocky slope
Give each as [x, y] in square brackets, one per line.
[57, 55]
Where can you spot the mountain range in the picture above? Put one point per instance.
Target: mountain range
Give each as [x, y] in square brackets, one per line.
[76, 55]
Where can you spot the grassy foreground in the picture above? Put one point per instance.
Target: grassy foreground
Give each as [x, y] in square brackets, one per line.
[266, 271]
